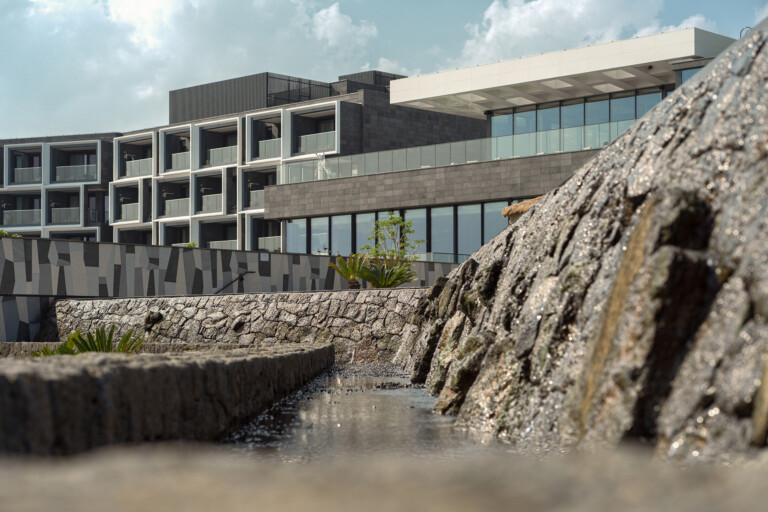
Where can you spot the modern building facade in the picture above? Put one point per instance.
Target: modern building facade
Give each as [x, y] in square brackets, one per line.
[275, 163]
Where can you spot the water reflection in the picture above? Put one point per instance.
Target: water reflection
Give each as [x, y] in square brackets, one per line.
[357, 417]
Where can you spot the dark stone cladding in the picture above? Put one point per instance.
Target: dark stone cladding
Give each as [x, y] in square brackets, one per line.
[486, 181]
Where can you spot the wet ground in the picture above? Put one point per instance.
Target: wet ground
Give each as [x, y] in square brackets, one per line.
[357, 411]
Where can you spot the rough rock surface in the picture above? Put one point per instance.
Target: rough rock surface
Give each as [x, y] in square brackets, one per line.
[364, 326]
[632, 302]
[67, 404]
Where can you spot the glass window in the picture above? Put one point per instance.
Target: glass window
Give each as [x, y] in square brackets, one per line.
[646, 100]
[319, 243]
[418, 220]
[572, 114]
[469, 232]
[493, 222]
[363, 229]
[442, 230]
[688, 73]
[501, 125]
[296, 236]
[548, 118]
[596, 110]
[525, 121]
[341, 235]
[622, 106]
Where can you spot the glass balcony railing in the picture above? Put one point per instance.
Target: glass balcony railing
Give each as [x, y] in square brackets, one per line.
[94, 216]
[179, 162]
[21, 218]
[221, 156]
[210, 203]
[22, 175]
[316, 143]
[68, 173]
[135, 168]
[268, 148]
[269, 243]
[129, 211]
[65, 215]
[256, 198]
[223, 244]
[177, 207]
[454, 153]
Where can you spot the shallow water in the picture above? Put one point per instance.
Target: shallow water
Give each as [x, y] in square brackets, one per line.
[343, 416]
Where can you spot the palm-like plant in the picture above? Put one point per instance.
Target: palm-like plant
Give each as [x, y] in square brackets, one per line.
[98, 341]
[350, 269]
[388, 273]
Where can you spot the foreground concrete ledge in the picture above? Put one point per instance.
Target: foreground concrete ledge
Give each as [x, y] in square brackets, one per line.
[68, 404]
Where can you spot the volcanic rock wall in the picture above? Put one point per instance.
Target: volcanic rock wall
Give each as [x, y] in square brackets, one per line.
[632, 302]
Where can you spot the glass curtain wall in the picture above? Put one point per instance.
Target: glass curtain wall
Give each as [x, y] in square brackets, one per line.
[469, 237]
[363, 230]
[319, 242]
[341, 235]
[442, 231]
[493, 222]
[296, 236]
[418, 220]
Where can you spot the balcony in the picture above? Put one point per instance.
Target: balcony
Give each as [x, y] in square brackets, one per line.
[129, 212]
[269, 148]
[223, 244]
[210, 203]
[134, 168]
[94, 217]
[256, 199]
[221, 156]
[24, 175]
[177, 207]
[180, 244]
[21, 218]
[270, 243]
[179, 162]
[65, 215]
[70, 173]
[317, 143]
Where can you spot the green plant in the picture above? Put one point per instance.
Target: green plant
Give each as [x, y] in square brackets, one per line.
[350, 269]
[5, 233]
[388, 274]
[98, 341]
[190, 244]
[391, 241]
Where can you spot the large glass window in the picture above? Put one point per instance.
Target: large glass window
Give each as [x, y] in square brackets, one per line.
[364, 229]
[646, 100]
[296, 236]
[418, 220]
[469, 232]
[319, 243]
[596, 110]
[622, 106]
[548, 117]
[688, 73]
[341, 235]
[442, 230]
[572, 114]
[525, 121]
[501, 125]
[493, 222]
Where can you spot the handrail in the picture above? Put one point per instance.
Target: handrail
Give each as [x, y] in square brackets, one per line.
[238, 278]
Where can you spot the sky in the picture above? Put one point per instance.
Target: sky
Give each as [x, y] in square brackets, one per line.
[85, 66]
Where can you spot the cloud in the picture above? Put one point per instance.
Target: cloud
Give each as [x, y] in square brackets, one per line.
[697, 21]
[391, 66]
[337, 30]
[761, 13]
[516, 28]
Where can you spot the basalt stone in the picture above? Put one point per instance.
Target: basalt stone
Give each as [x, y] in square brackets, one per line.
[632, 301]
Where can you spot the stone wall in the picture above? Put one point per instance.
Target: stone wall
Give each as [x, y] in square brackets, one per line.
[64, 405]
[364, 326]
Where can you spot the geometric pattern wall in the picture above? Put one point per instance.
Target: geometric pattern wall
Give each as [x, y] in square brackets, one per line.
[47, 268]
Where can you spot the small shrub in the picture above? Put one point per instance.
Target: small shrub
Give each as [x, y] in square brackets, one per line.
[5, 233]
[190, 244]
[350, 269]
[98, 341]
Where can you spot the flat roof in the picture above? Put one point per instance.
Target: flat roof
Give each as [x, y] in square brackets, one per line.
[602, 68]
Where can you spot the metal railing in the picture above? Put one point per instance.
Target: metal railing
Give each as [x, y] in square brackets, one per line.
[256, 199]
[221, 156]
[223, 244]
[455, 153]
[21, 217]
[67, 173]
[270, 243]
[210, 203]
[179, 162]
[176, 207]
[129, 211]
[316, 143]
[138, 167]
[65, 215]
[268, 148]
[27, 175]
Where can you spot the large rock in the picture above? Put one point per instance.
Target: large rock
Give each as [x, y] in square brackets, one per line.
[632, 302]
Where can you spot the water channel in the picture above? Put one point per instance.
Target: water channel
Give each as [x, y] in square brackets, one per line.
[357, 412]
